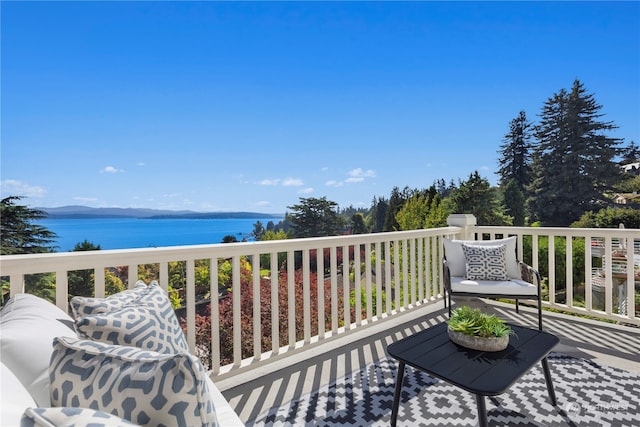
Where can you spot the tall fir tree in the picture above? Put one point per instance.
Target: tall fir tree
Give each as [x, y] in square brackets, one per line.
[515, 153]
[513, 202]
[476, 196]
[573, 161]
[630, 154]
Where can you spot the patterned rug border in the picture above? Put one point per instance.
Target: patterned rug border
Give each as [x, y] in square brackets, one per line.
[587, 394]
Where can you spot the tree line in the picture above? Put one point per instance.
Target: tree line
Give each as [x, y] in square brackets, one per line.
[562, 171]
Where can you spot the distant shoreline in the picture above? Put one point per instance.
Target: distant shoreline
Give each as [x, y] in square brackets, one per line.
[85, 212]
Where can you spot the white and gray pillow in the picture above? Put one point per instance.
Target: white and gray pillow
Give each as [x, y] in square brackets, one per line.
[70, 417]
[485, 262]
[144, 387]
[456, 259]
[141, 317]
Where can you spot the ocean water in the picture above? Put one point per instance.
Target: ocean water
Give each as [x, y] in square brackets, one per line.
[123, 233]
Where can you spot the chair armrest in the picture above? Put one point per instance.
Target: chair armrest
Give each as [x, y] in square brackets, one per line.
[446, 275]
[529, 274]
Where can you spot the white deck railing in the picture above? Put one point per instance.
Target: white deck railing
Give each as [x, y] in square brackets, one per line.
[610, 284]
[405, 266]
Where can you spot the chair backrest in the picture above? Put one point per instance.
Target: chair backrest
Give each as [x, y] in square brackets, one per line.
[456, 259]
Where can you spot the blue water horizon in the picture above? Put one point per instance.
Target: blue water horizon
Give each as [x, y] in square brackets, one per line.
[125, 233]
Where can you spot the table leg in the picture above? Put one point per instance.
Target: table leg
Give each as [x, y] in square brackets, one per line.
[397, 393]
[482, 411]
[547, 378]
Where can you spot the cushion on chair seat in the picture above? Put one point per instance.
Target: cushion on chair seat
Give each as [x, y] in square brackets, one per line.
[487, 287]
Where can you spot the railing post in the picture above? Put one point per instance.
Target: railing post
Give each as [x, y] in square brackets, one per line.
[465, 221]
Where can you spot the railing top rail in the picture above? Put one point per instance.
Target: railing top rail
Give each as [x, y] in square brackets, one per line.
[567, 231]
[47, 262]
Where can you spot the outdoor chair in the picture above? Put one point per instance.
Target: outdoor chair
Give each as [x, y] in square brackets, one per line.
[489, 269]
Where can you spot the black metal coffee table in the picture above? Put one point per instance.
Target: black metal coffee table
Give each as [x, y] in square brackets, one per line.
[481, 373]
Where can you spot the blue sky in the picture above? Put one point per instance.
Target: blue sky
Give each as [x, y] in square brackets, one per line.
[239, 106]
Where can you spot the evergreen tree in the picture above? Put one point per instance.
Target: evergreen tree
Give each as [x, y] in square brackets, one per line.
[378, 214]
[442, 188]
[315, 218]
[18, 232]
[396, 201]
[515, 151]
[513, 202]
[573, 160]
[357, 224]
[630, 154]
[476, 196]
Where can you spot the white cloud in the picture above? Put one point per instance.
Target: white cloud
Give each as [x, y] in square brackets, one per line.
[12, 187]
[358, 175]
[111, 169]
[354, 179]
[287, 182]
[292, 182]
[306, 190]
[333, 183]
[263, 203]
[270, 182]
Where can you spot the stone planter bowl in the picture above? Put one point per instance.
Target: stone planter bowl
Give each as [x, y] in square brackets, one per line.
[479, 343]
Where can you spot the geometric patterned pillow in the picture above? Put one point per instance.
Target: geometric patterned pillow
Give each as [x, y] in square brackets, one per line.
[82, 306]
[70, 417]
[485, 262]
[144, 387]
[142, 318]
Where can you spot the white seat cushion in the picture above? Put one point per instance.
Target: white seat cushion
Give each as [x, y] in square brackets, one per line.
[505, 287]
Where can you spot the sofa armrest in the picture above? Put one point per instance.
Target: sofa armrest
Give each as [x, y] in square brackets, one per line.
[225, 414]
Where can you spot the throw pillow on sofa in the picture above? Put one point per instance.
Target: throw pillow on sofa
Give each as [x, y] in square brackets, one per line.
[81, 306]
[70, 417]
[144, 387]
[141, 317]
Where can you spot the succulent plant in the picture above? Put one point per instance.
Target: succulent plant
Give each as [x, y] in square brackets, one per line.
[472, 321]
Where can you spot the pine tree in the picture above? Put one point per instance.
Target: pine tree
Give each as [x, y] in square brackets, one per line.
[396, 201]
[515, 151]
[315, 218]
[476, 196]
[18, 233]
[513, 202]
[573, 160]
[630, 154]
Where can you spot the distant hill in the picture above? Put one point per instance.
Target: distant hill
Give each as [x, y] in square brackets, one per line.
[80, 212]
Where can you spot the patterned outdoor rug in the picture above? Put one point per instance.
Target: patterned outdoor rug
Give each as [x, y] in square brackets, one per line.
[587, 394]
